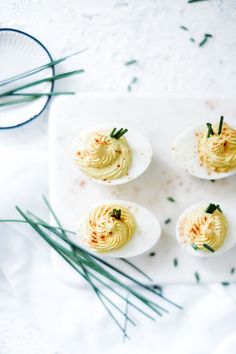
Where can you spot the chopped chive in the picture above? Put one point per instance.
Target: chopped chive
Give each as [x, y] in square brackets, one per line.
[205, 39]
[212, 207]
[151, 254]
[116, 213]
[192, 1]
[208, 247]
[171, 199]
[130, 62]
[220, 125]
[194, 246]
[192, 40]
[213, 180]
[232, 270]
[184, 28]
[197, 277]
[175, 261]
[210, 130]
[167, 221]
[225, 283]
[157, 287]
[133, 81]
[117, 134]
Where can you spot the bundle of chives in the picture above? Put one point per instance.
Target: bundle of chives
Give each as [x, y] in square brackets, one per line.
[101, 275]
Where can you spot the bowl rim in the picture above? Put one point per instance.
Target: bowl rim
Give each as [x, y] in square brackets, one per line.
[6, 29]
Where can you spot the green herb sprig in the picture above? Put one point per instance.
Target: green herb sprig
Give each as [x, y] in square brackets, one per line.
[116, 213]
[106, 281]
[117, 134]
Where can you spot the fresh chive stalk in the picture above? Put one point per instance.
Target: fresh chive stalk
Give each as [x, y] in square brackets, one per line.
[38, 69]
[38, 82]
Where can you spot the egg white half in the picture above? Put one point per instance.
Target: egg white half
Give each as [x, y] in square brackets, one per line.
[230, 239]
[185, 152]
[146, 235]
[141, 152]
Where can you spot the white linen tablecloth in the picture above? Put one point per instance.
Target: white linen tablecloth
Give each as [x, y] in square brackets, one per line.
[48, 315]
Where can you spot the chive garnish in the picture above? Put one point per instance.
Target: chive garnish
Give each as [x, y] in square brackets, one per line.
[171, 199]
[118, 134]
[213, 180]
[157, 287]
[133, 81]
[220, 125]
[192, 1]
[167, 221]
[232, 270]
[130, 62]
[175, 261]
[212, 207]
[184, 28]
[192, 39]
[194, 246]
[116, 213]
[205, 39]
[197, 277]
[151, 254]
[210, 130]
[208, 247]
[225, 283]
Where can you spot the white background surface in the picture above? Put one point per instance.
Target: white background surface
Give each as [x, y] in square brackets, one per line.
[168, 63]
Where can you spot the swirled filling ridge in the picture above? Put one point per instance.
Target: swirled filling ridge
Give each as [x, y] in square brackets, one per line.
[104, 232]
[218, 151]
[201, 228]
[103, 157]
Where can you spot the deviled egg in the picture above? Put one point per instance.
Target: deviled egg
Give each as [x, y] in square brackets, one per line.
[118, 228]
[110, 155]
[206, 229]
[207, 151]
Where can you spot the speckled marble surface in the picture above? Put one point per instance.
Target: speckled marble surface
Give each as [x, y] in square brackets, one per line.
[168, 63]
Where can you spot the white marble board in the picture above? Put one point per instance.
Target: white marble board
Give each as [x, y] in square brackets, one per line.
[160, 119]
